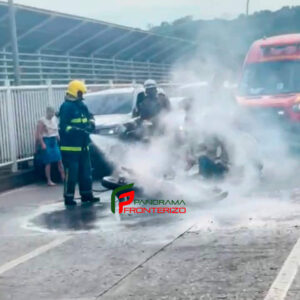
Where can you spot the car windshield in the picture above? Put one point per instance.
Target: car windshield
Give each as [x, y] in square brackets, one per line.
[271, 78]
[108, 104]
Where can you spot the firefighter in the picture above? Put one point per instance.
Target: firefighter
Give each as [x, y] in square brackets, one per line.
[76, 123]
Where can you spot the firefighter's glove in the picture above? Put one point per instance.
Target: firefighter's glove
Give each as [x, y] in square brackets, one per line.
[72, 129]
[91, 127]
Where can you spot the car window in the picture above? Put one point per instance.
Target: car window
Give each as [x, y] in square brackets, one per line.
[106, 104]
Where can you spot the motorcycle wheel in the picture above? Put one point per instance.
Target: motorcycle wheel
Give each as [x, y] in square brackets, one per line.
[111, 182]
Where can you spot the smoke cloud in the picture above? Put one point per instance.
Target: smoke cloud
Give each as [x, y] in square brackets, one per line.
[262, 167]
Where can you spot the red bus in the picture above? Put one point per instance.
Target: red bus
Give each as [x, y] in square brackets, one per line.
[271, 77]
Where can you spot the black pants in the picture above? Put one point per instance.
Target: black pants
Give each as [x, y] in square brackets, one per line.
[78, 169]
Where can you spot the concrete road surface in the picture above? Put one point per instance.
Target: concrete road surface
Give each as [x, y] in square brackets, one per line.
[238, 248]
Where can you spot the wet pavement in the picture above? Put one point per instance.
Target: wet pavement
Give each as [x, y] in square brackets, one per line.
[79, 218]
[232, 249]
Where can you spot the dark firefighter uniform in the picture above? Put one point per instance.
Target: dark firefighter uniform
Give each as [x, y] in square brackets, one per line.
[76, 122]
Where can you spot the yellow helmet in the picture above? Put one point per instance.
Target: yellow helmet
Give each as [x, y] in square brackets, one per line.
[76, 86]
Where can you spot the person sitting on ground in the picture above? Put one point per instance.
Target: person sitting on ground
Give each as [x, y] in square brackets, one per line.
[47, 138]
[213, 162]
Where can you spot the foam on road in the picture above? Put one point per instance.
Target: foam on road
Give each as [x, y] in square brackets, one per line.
[234, 251]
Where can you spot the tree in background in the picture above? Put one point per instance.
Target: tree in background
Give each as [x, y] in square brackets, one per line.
[221, 38]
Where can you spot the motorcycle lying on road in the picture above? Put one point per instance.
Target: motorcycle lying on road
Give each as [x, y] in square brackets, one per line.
[135, 131]
[199, 165]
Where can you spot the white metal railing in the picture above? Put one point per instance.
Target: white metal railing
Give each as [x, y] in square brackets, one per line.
[20, 109]
[37, 68]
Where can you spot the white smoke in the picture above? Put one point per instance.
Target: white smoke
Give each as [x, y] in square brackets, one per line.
[159, 167]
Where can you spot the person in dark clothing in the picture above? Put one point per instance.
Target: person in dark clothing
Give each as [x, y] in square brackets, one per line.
[151, 103]
[76, 123]
[213, 158]
[211, 154]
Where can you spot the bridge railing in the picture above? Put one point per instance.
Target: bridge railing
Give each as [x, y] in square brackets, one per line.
[20, 109]
[37, 68]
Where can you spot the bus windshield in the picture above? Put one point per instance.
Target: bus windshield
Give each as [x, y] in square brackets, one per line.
[271, 78]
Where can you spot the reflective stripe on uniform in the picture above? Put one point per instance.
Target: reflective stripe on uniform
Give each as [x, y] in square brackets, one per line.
[79, 120]
[71, 149]
[68, 128]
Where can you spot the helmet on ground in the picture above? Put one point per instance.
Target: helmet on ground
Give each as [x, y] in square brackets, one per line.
[76, 86]
[149, 84]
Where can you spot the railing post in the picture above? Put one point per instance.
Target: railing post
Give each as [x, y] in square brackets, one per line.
[133, 74]
[50, 93]
[93, 69]
[115, 70]
[149, 69]
[166, 72]
[14, 41]
[111, 83]
[11, 127]
[40, 67]
[69, 67]
[6, 70]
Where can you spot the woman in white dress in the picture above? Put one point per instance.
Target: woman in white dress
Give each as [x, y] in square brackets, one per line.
[47, 138]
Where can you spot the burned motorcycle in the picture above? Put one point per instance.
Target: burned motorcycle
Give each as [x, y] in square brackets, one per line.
[136, 131]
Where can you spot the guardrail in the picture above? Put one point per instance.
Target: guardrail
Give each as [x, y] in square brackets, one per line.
[37, 68]
[20, 109]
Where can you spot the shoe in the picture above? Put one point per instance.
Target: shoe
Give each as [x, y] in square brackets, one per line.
[91, 199]
[95, 200]
[70, 203]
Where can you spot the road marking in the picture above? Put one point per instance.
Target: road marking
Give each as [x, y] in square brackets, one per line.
[17, 190]
[143, 262]
[14, 263]
[286, 276]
